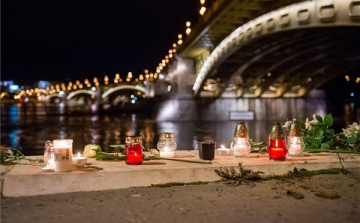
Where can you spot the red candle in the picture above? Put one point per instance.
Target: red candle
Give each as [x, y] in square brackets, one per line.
[134, 153]
[277, 149]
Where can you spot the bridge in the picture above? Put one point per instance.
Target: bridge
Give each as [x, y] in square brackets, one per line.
[269, 48]
[259, 49]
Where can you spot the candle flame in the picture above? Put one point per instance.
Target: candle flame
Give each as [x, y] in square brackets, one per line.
[276, 143]
[222, 147]
[78, 155]
[294, 141]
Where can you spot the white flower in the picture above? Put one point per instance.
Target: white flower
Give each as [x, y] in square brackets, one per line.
[352, 130]
[314, 121]
[308, 124]
[90, 150]
[287, 125]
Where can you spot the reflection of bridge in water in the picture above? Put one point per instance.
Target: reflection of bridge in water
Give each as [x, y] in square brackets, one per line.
[256, 55]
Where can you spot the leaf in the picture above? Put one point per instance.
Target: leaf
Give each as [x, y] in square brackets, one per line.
[122, 146]
[327, 195]
[328, 120]
[319, 118]
[301, 123]
[330, 131]
[107, 156]
[295, 194]
[352, 140]
[325, 146]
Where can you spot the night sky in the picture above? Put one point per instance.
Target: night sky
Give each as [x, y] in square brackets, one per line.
[55, 40]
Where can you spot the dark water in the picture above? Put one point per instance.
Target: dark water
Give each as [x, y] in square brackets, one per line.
[27, 128]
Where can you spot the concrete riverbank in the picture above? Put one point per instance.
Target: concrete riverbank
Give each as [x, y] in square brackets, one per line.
[29, 180]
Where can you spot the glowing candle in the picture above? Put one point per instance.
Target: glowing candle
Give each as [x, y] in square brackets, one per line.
[167, 153]
[167, 145]
[222, 151]
[295, 140]
[79, 160]
[63, 155]
[241, 145]
[134, 150]
[277, 149]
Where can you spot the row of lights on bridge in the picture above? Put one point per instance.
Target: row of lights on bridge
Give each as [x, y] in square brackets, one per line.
[347, 78]
[147, 76]
[172, 51]
[87, 84]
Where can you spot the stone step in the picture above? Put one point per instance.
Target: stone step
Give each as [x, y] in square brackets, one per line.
[29, 180]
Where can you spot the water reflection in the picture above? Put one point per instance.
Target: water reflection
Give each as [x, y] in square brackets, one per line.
[24, 129]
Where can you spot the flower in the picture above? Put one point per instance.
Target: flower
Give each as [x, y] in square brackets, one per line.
[287, 125]
[308, 124]
[352, 130]
[90, 150]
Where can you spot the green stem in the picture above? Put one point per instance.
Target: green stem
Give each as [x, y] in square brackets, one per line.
[188, 161]
[329, 151]
[88, 167]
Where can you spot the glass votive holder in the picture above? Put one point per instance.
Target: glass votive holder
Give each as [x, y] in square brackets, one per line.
[134, 150]
[167, 145]
[49, 157]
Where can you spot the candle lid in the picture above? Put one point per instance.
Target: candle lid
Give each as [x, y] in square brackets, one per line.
[295, 129]
[132, 139]
[167, 135]
[241, 130]
[276, 131]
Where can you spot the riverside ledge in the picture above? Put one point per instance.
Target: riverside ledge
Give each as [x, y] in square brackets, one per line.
[29, 180]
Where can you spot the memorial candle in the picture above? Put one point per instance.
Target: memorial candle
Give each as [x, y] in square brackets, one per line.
[222, 151]
[63, 155]
[134, 150]
[295, 140]
[241, 145]
[167, 145]
[277, 149]
[79, 160]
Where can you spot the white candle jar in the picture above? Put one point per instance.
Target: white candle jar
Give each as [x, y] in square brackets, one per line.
[295, 142]
[167, 145]
[295, 146]
[63, 155]
[241, 145]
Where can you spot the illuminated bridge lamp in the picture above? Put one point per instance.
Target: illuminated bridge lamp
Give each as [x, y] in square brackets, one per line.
[167, 145]
[241, 145]
[277, 148]
[295, 141]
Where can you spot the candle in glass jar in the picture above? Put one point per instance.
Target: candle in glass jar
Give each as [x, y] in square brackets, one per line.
[222, 151]
[240, 151]
[79, 160]
[62, 155]
[134, 153]
[295, 148]
[167, 153]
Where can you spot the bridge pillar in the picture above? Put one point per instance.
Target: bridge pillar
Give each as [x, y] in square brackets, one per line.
[150, 89]
[181, 77]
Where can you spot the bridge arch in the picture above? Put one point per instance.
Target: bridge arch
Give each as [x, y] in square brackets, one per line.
[123, 87]
[48, 97]
[74, 93]
[301, 16]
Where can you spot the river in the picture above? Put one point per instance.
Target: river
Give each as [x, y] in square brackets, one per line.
[26, 128]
